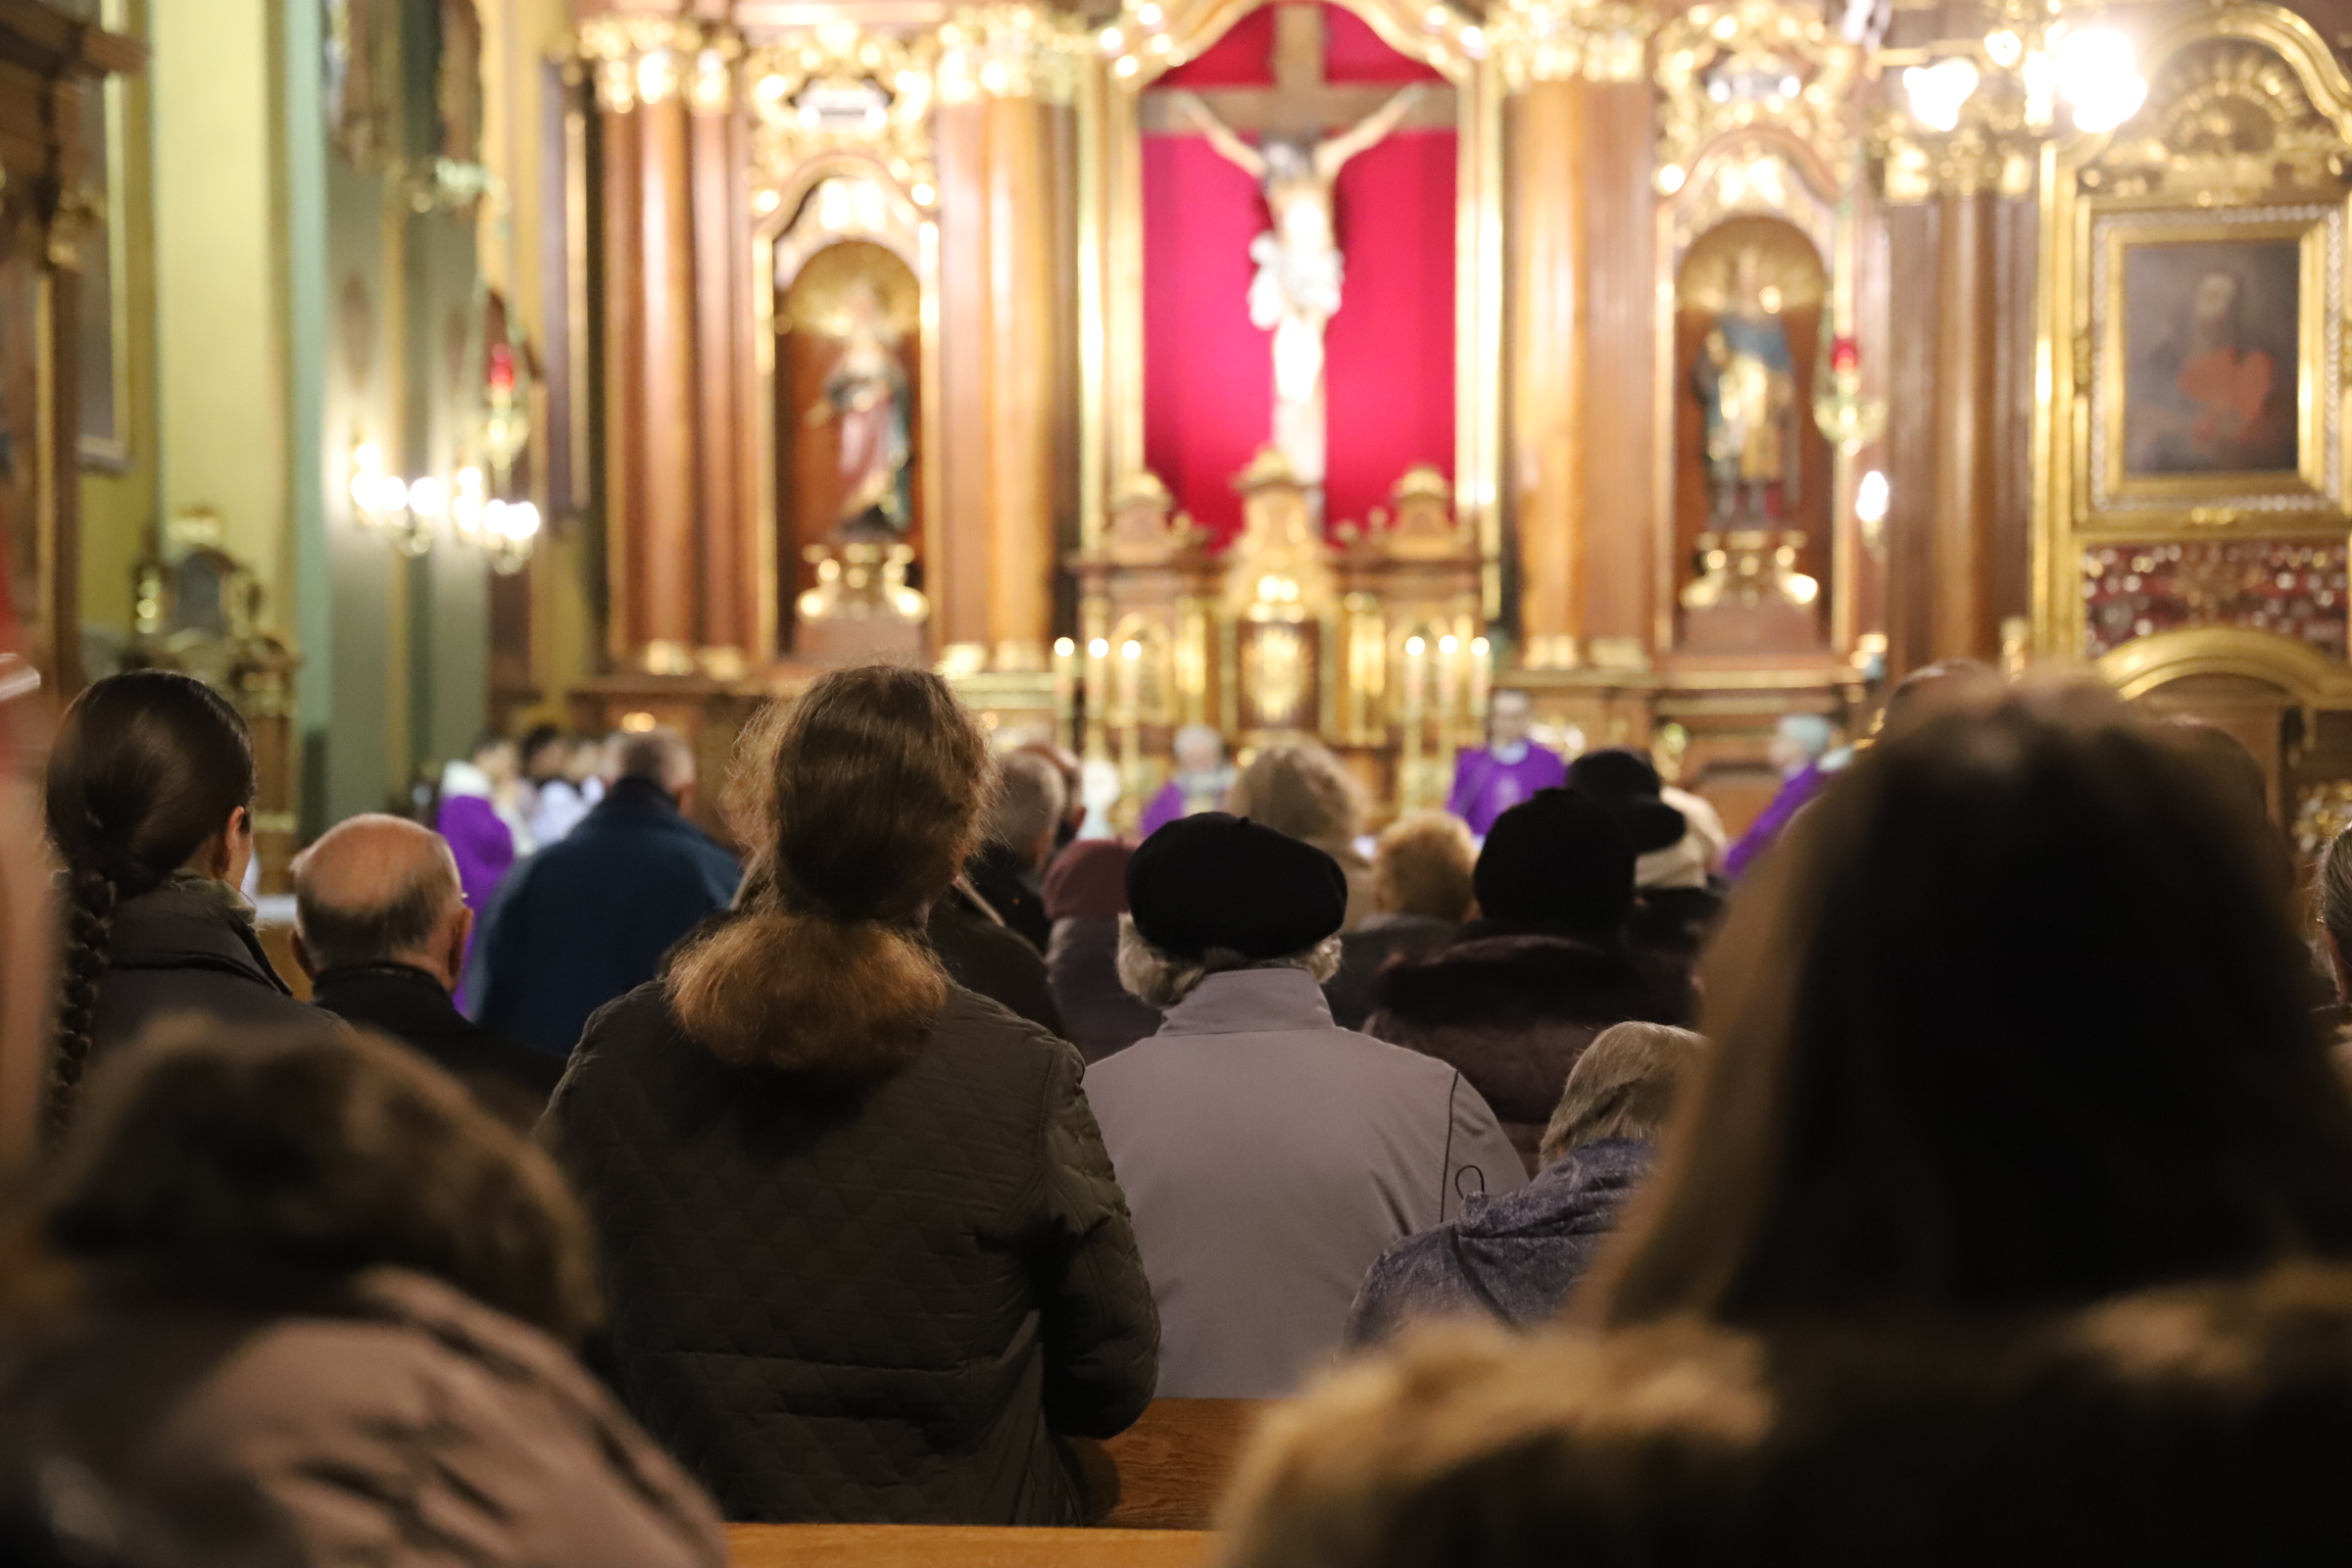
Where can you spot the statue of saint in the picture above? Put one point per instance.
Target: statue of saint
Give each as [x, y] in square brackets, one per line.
[1296, 289]
[1746, 385]
[865, 395]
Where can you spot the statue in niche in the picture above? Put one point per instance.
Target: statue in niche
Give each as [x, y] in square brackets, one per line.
[1295, 291]
[1746, 379]
[866, 396]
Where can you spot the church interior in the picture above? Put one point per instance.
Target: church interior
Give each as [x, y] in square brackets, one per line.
[412, 367]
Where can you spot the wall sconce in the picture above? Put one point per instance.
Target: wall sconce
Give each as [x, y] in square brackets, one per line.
[405, 515]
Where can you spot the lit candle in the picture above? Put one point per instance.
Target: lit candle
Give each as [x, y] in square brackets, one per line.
[1098, 697]
[1408, 762]
[1479, 677]
[1129, 719]
[1066, 691]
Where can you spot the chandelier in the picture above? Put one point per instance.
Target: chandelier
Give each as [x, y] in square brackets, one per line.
[2010, 81]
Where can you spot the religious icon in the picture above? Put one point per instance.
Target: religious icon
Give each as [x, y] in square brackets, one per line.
[1295, 291]
[2209, 348]
[1745, 381]
[865, 398]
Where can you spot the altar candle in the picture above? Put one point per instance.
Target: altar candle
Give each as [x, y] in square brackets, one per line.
[1130, 716]
[1408, 762]
[1478, 687]
[1449, 689]
[1066, 691]
[1098, 697]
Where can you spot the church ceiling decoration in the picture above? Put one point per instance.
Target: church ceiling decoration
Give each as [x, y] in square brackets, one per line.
[842, 90]
[1532, 41]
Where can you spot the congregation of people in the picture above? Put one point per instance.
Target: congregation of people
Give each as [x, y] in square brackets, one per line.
[1956, 1164]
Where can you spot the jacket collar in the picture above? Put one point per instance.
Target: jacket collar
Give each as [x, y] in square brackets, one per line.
[408, 974]
[636, 798]
[189, 922]
[1250, 1001]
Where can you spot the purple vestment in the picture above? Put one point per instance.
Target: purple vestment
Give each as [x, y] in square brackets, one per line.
[483, 844]
[1484, 786]
[1795, 793]
[1184, 794]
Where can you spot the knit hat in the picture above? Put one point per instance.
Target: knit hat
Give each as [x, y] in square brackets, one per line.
[1219, 881]
[1557, 862]
[1628, 784]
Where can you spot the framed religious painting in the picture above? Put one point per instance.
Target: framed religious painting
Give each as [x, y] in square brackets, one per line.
[2214, 342]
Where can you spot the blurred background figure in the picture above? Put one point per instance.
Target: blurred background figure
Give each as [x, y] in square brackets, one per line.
[479, 815]
[150, 809]
[589, 918]
[1421, 894]
[1073, 783]
[1022, 831]
[380, 925]
[325, 1310]
[1676, 898]
[1086, 892]
[1198, 783]
[1804, 751]
[1543, 969]
[558, 772]
[1299, 788]
[1490, 779]
[1515, 1257]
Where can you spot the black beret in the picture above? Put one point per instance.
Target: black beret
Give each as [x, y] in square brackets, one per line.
[1219, 881]
[1627, 783]
[1559, 863]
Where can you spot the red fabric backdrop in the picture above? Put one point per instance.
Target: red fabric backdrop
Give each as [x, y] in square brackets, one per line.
[1208, 393]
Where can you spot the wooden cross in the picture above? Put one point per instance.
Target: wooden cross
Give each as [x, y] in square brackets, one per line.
[1300, 105]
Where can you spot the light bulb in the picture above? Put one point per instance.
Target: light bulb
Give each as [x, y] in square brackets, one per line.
[1938, 91]
[1870, 497]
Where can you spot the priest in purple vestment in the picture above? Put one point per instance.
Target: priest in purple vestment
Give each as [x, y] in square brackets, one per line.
[1802, 751]
[1198, 784]
[1490, 780]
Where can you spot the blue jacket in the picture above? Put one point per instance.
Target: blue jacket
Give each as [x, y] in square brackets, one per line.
[1512, 1257]
[588, 918]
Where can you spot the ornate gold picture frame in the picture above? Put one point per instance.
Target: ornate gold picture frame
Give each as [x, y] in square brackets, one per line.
[2215, 340]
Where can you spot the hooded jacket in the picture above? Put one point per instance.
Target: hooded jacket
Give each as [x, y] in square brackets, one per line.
[393, 1421]
[1514, 1258]
[1513, 1013]
[861, 1291]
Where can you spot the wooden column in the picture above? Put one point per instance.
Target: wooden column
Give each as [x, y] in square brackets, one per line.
[1003, 347]
[722, 341]
[1959, 558]
[1912, 340]
[1546, 469]
[622, 380]
[1620, 555]
[666, 521]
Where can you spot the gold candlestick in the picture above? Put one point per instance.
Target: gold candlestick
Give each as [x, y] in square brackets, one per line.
[1408, 761]
[1065, 692]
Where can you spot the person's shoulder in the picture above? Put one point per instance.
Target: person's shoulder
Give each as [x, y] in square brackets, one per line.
[1515, 981]
[969, 1021]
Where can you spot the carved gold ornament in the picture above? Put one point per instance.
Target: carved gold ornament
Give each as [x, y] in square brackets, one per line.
[650, 58]
[2226, 115]
[1728, 67]
[841, 89]
[1011, 51]
[1562, 40]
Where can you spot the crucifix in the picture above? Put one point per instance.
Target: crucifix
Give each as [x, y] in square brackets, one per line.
[1295, 163]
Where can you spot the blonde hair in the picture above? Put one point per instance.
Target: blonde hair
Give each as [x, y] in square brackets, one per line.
[860, 805]
[1623, 1086]
[1423, 866]
[1300, 787]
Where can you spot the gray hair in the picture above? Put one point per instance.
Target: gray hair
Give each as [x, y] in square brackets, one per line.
[2336, 892]
[1622, 1087]
[659, 755]
[1160, 979]
[1030, 799]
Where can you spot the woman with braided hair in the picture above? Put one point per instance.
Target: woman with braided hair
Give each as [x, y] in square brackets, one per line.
[150, 807]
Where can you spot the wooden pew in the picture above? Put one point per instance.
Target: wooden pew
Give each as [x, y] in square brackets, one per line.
[1175, 1462]
[961, 1546]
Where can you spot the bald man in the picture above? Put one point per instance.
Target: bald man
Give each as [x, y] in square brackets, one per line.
[380, 926]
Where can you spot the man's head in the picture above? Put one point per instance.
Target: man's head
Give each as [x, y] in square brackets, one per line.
[380, 889]
[1509, 715]
[1028, 808]
[499, 758]
[1198, 749]
[585, 759]
[544, 754]
[661, 758]
[1800, 741]
[1423, 867]
[1213, 893]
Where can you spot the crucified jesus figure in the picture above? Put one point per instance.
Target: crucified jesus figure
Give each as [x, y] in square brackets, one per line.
[1296, 289]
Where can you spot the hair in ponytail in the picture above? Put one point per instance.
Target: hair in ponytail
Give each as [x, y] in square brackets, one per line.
[147, 766]
[860, 802]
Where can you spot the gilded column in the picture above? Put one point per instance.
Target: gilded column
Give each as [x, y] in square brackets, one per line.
[1545, 472]
[1007, 75]
[1959, 555]
[1546, 55]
